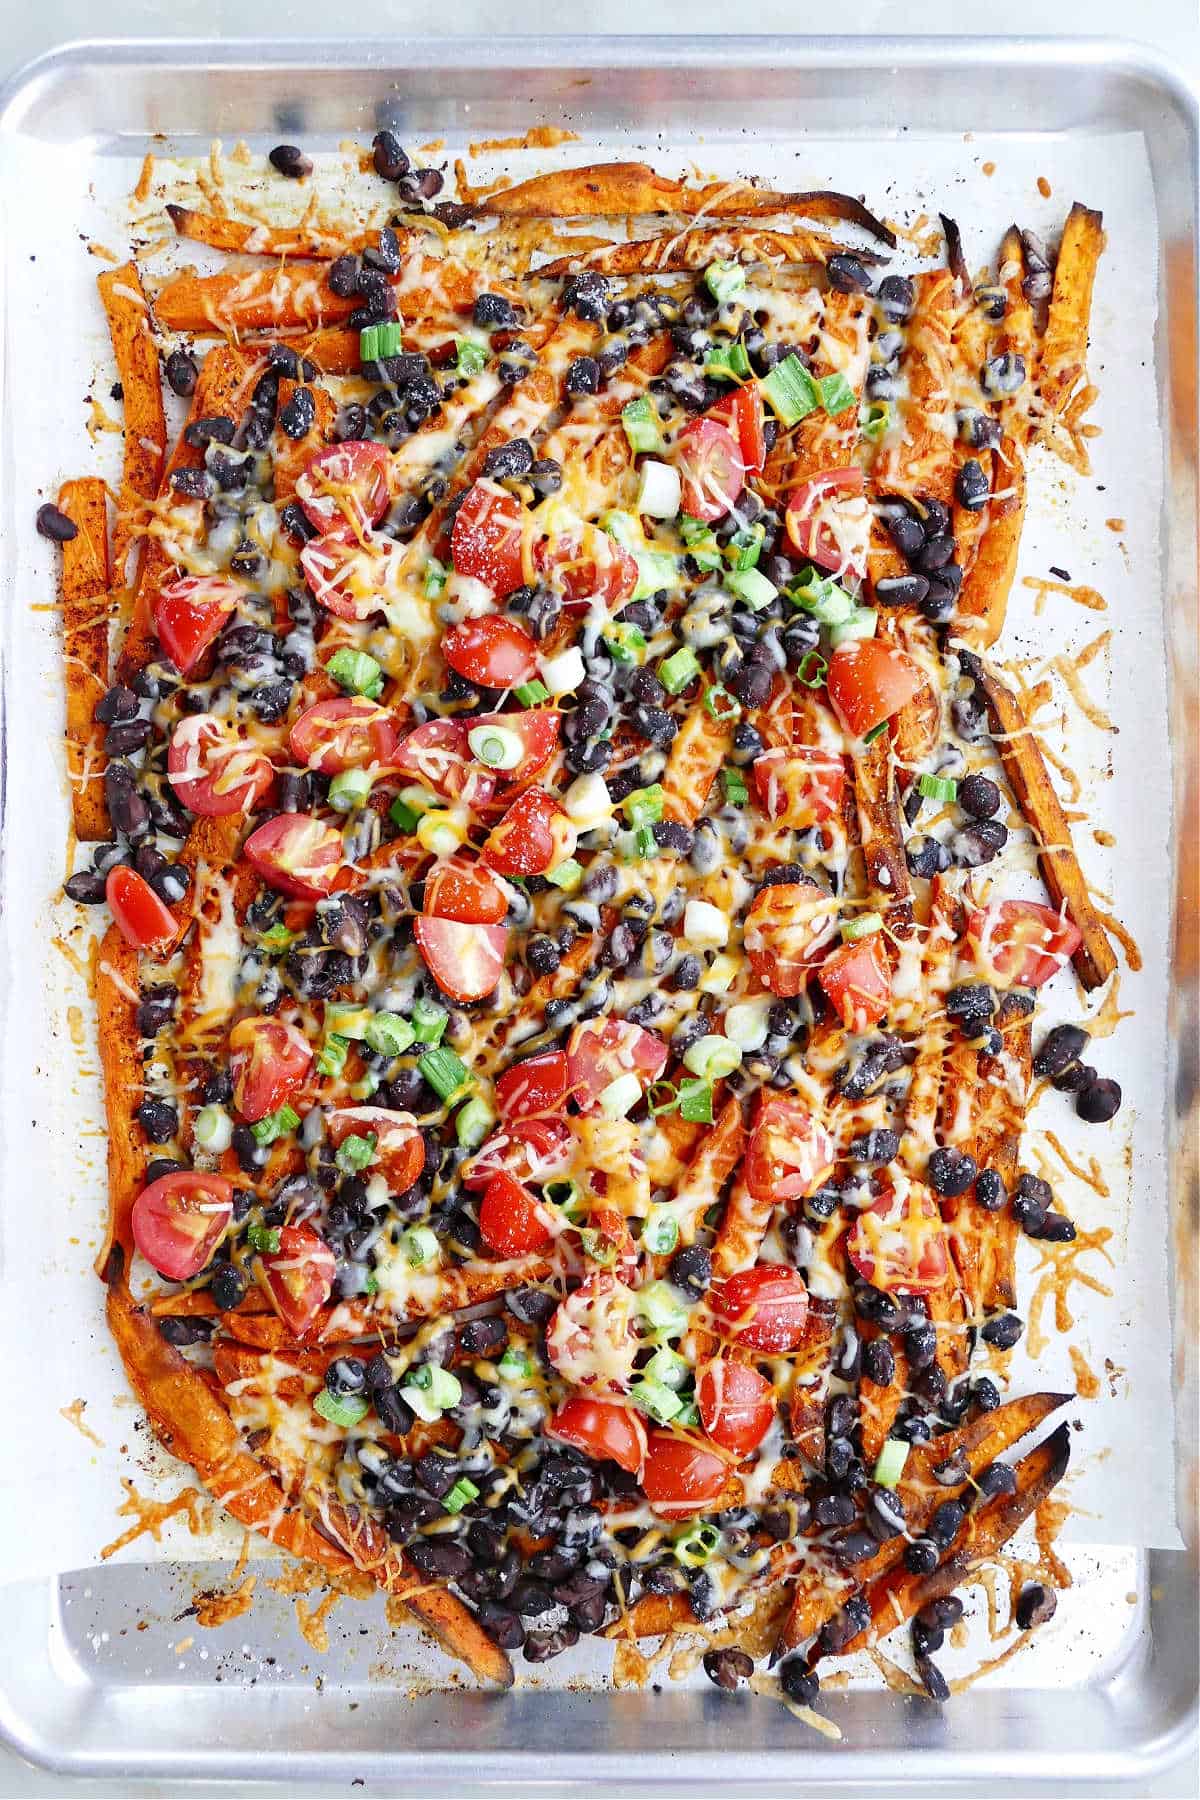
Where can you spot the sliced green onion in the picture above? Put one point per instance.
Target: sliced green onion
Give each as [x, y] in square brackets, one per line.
[661, 1097]
[444, 1072]
[712, 1057]
[644, 841]
[470, 359]
[496, 746]
[623, 526]
[275, 1125]
[331, 1057]
[598, 1247]
[937, 787]
[353, 670]
[734, 783]
[876, 731]
[514, 1365]
[658, 496]
[668, 1367]
[368, 344]
[678, 669]
[860, 624]
[747, 1025]
[463, 1491]
[660, 1231]
[790, 390]
[402, 816]
[532, 693]
[866, 925]
[419, 1245]
[388, 1034]
[728, 362]
[568, 876]
[812, 670]
[752, 587]
[723, 280]
[889, 1464]
[620, 1096]
[875, 420]
[659, 1402]
[836, 393]
[563, 1193]
[341, 1409]
[656, 571]
[472, 1123]
[745, 547]
[429, 1020]
[354, 1153]
[641, 424]
[660, 1307]
[213, 1129]
[277, 940]
[347, 1020]
[688, 1415]
[696, 1546]
[824, 599]
[706, 554]
[362, 1090]
[350, 789]
[430, 1391]
[626, 643]
[694, 531]
[696, 1102]
[644, 805]
[263, 1238]
[721, 705]
[436, 577]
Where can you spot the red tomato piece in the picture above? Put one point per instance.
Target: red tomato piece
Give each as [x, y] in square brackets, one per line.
[600, 1050]
[610, 1243]
[538, 732]
[679, 1477]
[511, 1221]
[179, 1220]
[788, 929]
[1019, 943]
[527, 1149]
[138, 914]
[299, 1276]
[466, 961]
[212, 770]
[900, 1244]
[464, 891]
[829, 521]
[295, 854]
[344, 490]
[189, 615]
[439, 756]
[603, 1429]
[587, 564]
[335, 735]
[348, 580]
[268, 1061]
[493, 651]
[711, 469]
[869, 680]
[800, 787]
[742, 414]
[399, 1147]
[590, 1339]
[736, 1405]
[765, 1307]
[858, 980]
[789, 1153]
[534, 1087]
[534, 835]
[485, 542]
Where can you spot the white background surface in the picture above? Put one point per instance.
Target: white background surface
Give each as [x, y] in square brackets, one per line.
[1171, 25]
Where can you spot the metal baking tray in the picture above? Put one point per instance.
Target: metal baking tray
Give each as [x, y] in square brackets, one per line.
[80, 1689]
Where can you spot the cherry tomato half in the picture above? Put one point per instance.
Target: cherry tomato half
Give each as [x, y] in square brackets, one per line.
[344, 489]
[601, 1050]
[869, 680]
[829, 521]
[268, 1061]
[900, 1245]
[538, 732]
[212, 770]
[603, 1429]
[799, 787]
[335, 735]
[399, 1147]
[736, 1405]
[511, 1221]
[439, 756]
[858, 980]
[179, 1220]
[765, 1308]
[590, 1339]
[527, 1149]
[535, 1087]
[1019, 943]
[466, 961]
[493, 651]
[788, 928]
[587, 564]
[742, 414]
[679, 1477]
[464, 891]
[348, 580]
[138, 914]
[711, 469]
[295, 854]
[485, 543]
[789, 1154]
[189, 615]
[534, 835]
[298, 1276]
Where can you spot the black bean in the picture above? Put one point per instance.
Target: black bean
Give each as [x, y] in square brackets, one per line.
[385, 254]
[125, 739]
[502, 1625]
[1099, 1101]
[215, 430]
[906, 532]
[921, 1556]
[394, 1412]
[158, 1119]
[1003, 1331]
[901, 590]
[879, 1306]
[691, 1269]
[646, 688]
[346, 1375]
[926, 857]
[934, 554]
[1002, 374]
[854, 1546]
[946, 1523]
[586, 295]
[837, 1632]
[343, 275]
[531, 1305]
[752, 683]
[985, 1395]
[728, 1668]
[997, 1478]
[801, 1685]
[670, 834]
[181, 372]
[86, 888]
[950, 1172]
[1028, 1209]
[583, 376]
[920, 1345]
[1060, 1047]
[971, 488]
[879, 1362]
[989, 1190]
[880, 1145]
[896, 296]
[541, 1646]
[390, 160]
[1074, 1078]
[1036, 1605]
[546, 477]
[938, 606]
[510, 460]
[299, 416]
[653, 723]
[1055, 1228]
[932, 1679]
[184, 1331]
[55, 525]
[291, 161]
[979, 843]
[848, 275]
[979, 797]
[970, 1004]
[927, 1640]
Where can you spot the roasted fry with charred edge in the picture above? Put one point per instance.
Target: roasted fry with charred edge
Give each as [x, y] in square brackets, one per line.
[304, 239]
[293, 456]
[955, 257]
[888, 886]
[1026, 769]
[983, 597]
[984, 1244]
[145, 443]
[85, 577]
[696, 754]
[1064, 342]
[629, 189]
[273, 299]
[696, 248]
[116, 990]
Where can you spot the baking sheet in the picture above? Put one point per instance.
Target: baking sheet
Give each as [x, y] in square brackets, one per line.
[61, 1500]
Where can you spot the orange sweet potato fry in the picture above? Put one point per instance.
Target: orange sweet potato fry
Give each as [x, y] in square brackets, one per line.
[85, 580]
[128, 312]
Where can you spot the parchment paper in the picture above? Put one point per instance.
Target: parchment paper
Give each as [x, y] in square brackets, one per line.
[59, 1489]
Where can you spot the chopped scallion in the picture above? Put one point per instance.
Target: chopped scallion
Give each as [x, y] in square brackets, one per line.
[275, 1125]
[812, 670]
[331, 1057]
[937, 787]
[712, 1057]
[436, 577]
[790, 391]
[696, 1546]
[678, 669]
[724, 280]
[696, 1102]
[568, 875]
[721, 705]
[734, 783]
[463, 1491]
[645, 805]
[355, 1152]
[752, 587]
[263, 1238]
[444, 1072]
[876, 731]
[388, 1034]
[866, 925]
[745, 547]
[402, 816]
[472, 1123]
[429, 1020]
[418, 1245]
[341, 1409]
[889, 1464]
[875, 420]
[836, 393]
[656, 1400]
[626, 643]
[353, 670]
[350, 789]
[641, 424]
[470, 359]
[532, 693]
[660, 1231]
[728, 362]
